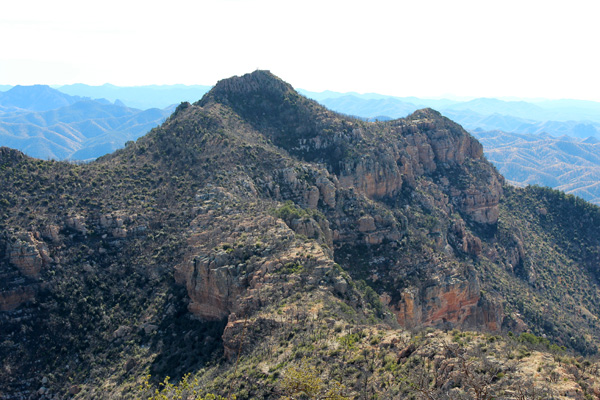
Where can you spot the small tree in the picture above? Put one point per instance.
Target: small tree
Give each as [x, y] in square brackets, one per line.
[303, 382]
[184, 390]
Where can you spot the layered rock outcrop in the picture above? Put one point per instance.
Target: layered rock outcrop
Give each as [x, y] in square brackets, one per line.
[377, 179]
[422, 144]
[214, 286]
[28, 254]
[480, 203]
[450, 302]
[77, 223]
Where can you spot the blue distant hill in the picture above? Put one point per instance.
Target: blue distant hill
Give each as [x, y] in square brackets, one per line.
[556, 117]
[36, 98]
[142, 97]
[46, 123]
[566, 163]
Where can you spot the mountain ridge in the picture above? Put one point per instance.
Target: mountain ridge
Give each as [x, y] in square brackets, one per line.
[301, 234]
[36, 98]
[69, 127]
[485, 115]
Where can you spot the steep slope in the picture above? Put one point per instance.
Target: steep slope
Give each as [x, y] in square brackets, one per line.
[257, 222]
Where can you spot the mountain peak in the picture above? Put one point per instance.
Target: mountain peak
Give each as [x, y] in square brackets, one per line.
[425, 113]
[431, 116]
[18, 88]
[259, 82]
[36, 98]
[591, 140]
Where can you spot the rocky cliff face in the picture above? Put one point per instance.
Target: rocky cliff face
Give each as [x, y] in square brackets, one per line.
[236, 258]
[25, 255]
[423, 161]
[28, 254]
[451, 303]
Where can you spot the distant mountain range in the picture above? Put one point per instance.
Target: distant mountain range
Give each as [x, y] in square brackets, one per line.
[35, 98]
[48, 124]
[566, 163]
[555, 117]
[531, 142]
[327, 95]
[142, 97]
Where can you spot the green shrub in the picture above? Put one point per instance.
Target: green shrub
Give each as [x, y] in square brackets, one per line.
[184, 389]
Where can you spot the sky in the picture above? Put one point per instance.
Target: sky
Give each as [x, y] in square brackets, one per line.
[424, 48]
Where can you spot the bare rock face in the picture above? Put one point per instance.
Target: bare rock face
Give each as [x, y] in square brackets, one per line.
[327, 190]
[11, 299]
[77, 223]
[51, 233]
[309, 228]
[463, 240]
[286, 184]
[28, 254]
[515, 254]
[481, 203]
[214, 287]
[312, 197]
[374, 178]
[490, 314]
[418, 146]
[242, 333]
[454, 302]
[453, 149]
[234, 331]
[366, 224]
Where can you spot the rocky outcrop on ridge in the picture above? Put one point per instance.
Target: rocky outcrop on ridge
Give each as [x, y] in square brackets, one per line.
[367, 168]
[28, 254]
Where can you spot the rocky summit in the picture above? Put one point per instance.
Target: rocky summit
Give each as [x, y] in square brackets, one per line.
[256, 238]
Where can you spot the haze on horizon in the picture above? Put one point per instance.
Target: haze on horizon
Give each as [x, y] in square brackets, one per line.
[435, 48]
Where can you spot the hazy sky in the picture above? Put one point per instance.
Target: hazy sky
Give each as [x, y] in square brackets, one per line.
[524, 48]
